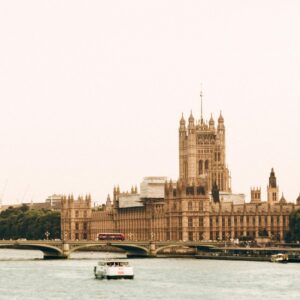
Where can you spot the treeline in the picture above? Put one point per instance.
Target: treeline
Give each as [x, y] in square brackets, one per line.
[293, 234]
[31, 224]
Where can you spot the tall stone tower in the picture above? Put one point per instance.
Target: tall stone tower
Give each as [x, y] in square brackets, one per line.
[202, 152]
[75, 218]
[273, 191]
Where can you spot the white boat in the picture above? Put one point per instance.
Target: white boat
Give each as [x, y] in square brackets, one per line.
[280, 258]
[113, 269]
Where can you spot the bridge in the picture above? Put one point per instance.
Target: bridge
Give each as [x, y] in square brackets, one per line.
[55, 249]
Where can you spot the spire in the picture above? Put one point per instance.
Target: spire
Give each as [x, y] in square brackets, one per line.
[221, 119]
[191, 122]
[272, 179]
[282, 200]
[182, 121]
[298, 199]
[191, 118]
[211, 122]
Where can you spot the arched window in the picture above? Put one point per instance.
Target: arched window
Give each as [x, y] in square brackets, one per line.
[200, 167]
[174, 206]
[190, 206]
[185, 169]
[76, 214]
[206, 165]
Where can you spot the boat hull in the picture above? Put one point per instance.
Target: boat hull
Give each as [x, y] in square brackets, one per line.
[113, 270]
[114, 277]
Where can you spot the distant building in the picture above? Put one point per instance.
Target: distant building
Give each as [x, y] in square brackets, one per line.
[54, 201]
[198, 206]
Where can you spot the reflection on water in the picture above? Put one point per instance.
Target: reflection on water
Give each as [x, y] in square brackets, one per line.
[15, 254]
[24, 275]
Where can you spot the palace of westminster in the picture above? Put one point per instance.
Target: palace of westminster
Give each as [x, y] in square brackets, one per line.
[198, 206]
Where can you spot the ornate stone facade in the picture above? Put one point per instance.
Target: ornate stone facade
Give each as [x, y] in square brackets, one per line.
[202, 152]
[76, 216]
[199, 206]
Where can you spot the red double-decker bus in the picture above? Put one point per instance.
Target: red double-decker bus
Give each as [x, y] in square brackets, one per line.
[111, 236]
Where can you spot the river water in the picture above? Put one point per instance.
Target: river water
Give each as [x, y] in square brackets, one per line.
[24, 275]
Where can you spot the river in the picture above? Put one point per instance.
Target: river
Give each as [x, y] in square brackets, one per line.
[25, 275]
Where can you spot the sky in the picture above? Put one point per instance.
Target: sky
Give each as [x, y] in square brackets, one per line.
[91, 92]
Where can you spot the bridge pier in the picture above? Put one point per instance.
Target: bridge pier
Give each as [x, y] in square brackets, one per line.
[58, 255]
[152, 250]
[55, 256]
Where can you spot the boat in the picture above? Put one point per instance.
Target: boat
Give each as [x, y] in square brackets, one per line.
[280, 258]
[113, 269]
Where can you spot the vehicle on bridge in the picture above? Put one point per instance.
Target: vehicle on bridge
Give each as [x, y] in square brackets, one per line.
[113, 269]
[111, 236]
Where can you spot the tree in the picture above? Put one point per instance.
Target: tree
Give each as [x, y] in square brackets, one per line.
[294, 227]
[23, 222]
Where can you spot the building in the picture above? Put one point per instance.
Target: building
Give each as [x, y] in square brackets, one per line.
[202, 153]
[76, 218]
[54, 202]
[198, 206]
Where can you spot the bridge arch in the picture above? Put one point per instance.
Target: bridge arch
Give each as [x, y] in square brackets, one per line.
[174, 246]
[48, 250]
[130, 249]
[133, 249]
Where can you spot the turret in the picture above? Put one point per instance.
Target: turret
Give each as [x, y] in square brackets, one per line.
[191, 122]
[211, 123]
[108, 203]
[272, 179]
[221, 122]
[298, 200]
[182, 124]
[255, 195]
[282, 200]
[182, 141]
[272, 188]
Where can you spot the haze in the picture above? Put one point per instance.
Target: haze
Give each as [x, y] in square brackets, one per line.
[91, 92]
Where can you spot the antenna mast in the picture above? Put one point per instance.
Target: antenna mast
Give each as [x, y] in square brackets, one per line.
[201, 95]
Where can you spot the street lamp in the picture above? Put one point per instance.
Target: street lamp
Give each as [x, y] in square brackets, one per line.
[47, 233]
[152, 236]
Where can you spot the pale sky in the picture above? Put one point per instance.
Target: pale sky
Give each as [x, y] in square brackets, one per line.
[91, 92]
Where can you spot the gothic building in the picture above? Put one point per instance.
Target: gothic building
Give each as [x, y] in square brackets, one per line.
[202, 152]
[198, 206]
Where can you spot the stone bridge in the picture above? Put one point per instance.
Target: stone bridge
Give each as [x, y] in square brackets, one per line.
[63, 249]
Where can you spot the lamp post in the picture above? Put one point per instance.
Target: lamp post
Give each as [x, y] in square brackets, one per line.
[47, 233]
[152, 236]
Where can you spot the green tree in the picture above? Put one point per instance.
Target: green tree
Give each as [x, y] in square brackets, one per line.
[294, 227]
[23, 222]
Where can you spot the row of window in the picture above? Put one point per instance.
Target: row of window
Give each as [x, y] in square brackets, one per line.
[261, 220]
[85, 226]
[77, 214]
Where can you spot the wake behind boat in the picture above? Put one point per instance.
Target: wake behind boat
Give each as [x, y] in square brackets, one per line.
[113, 269]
